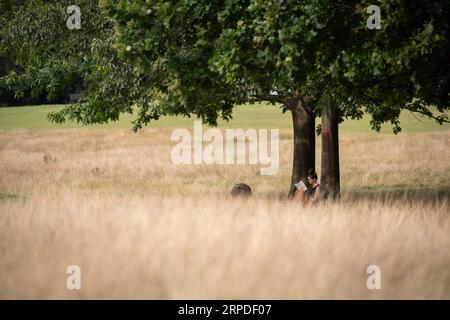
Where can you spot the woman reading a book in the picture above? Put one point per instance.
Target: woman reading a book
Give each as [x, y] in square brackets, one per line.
[303, 195]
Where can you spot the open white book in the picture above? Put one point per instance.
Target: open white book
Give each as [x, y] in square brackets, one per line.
[301, 185]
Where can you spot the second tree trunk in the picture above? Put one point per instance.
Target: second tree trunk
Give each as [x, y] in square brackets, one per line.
[330, 176]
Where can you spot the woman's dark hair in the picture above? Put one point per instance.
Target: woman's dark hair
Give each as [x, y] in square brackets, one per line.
[312, 174]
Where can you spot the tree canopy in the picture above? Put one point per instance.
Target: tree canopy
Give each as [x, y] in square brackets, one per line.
[204, 57]
[268, 50]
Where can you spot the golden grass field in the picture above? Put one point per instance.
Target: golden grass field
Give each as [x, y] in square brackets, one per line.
[139, 226]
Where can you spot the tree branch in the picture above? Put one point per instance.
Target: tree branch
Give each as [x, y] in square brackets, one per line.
[439, 119]
[271, 98]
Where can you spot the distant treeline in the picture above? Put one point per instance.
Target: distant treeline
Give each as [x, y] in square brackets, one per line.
[8, 97]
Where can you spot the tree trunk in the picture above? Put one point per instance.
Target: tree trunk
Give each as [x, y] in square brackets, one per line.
[330, 179]
[303, 120]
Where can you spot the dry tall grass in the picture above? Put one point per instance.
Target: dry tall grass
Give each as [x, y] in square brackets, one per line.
[141, 227]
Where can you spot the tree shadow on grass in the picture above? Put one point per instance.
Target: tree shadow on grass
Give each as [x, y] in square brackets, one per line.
[6, 196]
[432, 195]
